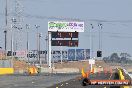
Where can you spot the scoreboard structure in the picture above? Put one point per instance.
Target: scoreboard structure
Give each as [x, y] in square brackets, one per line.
[63, 33]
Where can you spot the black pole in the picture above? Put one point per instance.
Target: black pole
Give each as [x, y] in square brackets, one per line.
[5, 40]
[6, 15]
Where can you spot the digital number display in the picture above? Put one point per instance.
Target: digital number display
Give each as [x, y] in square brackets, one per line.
[70, 43]
[64, 34]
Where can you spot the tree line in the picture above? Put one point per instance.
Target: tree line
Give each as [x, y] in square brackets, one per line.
[124, 58]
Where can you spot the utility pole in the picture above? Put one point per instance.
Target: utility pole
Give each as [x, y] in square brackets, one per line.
[18, 25]
[5, 31]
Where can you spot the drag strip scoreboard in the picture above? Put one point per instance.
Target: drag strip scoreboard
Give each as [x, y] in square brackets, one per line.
[64, 39]
[65, 33]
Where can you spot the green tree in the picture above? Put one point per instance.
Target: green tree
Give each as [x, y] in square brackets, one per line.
[125, 57]
[114, 57]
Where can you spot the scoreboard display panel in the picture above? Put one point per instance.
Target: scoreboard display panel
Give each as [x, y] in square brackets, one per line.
[70, 43]
[64, 34]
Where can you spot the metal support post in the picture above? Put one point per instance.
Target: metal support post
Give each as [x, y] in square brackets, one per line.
[5, 53]
[37, 43]
[12, 48]
[100, 37]
[6, 22]
[91, 42]
[40, 61]
[75, 54]
[61, 55]
[46, 53]
[49, 50]
[27, 27]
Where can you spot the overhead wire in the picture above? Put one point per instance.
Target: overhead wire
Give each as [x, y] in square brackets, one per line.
[111, 34]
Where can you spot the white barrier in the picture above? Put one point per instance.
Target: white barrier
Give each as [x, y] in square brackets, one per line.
[130, 75]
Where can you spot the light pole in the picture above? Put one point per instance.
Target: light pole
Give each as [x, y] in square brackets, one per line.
[40, 61]
[100, 28]
[49, 49]
[36, 26]
[100, 39]
[12, 47]
[91, 45]
[12, 41]
[27, 28]
[5, 44]
[6, 22]
[46, 53]
[91, 41]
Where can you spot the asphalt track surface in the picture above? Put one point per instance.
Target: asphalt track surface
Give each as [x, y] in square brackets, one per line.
[40, 81]
[76, 82]
[50, 81]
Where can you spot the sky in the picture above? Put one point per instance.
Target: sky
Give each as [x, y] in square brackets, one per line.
[114, 15]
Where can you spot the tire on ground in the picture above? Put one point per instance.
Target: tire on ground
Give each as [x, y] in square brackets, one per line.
[85, 82]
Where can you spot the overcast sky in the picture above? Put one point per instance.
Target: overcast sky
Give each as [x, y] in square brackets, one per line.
[114, 15]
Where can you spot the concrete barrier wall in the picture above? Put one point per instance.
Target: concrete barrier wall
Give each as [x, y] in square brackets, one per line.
[5, 71]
